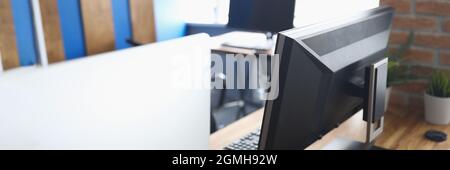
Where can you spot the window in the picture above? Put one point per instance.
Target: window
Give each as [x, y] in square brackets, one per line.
[205, 11]
[312, 11]
[306, 11]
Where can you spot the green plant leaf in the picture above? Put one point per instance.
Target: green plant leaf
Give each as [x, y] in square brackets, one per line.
[439, 85]
[398, 73]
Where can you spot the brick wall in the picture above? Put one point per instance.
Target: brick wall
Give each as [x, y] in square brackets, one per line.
[430, 20]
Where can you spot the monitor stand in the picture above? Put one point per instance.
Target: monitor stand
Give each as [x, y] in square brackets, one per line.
[346, 144]
[373, 131]
[374, 127]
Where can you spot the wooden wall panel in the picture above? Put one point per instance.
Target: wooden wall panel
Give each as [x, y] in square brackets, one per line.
[8, 42]
[98, 26]
[52, 30]
[143, 21]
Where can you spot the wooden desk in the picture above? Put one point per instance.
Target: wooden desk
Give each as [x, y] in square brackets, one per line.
[405, 127]
[403, 130]
[354, 128]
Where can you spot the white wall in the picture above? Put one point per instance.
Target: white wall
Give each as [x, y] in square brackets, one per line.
[312, 11]
[205, 11]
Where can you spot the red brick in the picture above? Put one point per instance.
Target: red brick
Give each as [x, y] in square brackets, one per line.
[420, 55]
[392, 49]
[417, 23]
[433, 40]
[445, 58]
[416, 104]
[398, 37]
[446, 26]
[397, 99]
[424, 72]
[401, 6]
[421, 71]
[412, 87]
[436, 7]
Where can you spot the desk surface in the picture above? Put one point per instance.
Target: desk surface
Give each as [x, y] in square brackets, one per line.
[354, 128]
[404, 130]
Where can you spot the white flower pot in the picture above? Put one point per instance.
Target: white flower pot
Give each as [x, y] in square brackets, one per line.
[388, 97]
[437, 110]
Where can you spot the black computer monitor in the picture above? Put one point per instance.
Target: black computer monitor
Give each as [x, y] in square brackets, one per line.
[324, 78]
[262, 15]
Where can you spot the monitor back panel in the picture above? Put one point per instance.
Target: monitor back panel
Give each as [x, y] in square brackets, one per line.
[318, 66]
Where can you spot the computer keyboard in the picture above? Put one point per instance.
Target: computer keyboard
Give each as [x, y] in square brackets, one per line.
[248, 142]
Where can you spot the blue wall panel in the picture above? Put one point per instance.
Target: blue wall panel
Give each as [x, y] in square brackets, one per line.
[72, 28]
[122, 23]
[23, 22]
[168, 26]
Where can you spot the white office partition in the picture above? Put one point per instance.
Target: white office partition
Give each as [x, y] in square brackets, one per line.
[309, 12]
[39, 34]
[147, 97]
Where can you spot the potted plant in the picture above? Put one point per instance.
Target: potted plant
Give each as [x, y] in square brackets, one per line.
[398, 73]
[437, 100]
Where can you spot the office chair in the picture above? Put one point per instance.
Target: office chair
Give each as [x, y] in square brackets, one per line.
[213, 124]
[133, 43]
[241, 103]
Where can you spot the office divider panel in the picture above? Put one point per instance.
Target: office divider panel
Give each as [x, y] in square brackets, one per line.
[143, 21]
[116, 100]
[98, 26]
[52, 30]
[8, 40]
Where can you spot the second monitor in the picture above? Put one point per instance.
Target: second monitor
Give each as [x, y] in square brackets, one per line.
[262, 15]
